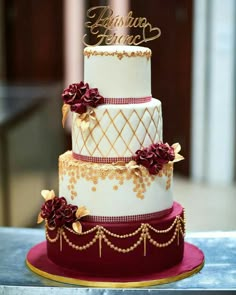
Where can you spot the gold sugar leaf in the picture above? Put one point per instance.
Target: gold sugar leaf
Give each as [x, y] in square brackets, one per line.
[77, 227]
[65, 110]
[134, 167]
[40, 218]
[84, 125]
[81, 212]
[48, 195]
[92, 115]
[83, 120]
[177, 147]
[178, 158]
[132, 164]
[138, 172]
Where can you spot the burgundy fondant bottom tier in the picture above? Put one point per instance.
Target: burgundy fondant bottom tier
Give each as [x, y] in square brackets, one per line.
[118, 249]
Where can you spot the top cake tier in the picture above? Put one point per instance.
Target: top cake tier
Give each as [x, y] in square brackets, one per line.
[118, 71]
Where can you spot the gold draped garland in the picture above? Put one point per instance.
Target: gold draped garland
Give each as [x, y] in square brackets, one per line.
[102, 235]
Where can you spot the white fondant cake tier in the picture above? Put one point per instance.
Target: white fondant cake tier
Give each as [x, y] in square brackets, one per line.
[118, 71]
[109, 190]
[118, 130]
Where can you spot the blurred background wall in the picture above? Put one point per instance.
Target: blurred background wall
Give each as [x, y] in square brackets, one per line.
[193, 74]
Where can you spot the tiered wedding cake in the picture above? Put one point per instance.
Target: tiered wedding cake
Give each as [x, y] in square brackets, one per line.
[115, 216]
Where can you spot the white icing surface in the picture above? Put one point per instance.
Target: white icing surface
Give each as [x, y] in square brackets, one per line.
[106, 201]
[118, 78]
[119, 130]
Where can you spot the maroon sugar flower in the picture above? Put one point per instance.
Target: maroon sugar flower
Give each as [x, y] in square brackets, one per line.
[74, 92]
[155, 169]
[79, 96]
[79, 108]
[155, 157]
[163, 151]
[145, 158]
[65, 215]
[50, 206]
[92, 98]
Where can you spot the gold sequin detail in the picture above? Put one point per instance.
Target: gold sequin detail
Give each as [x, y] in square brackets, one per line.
[94, 173]
[119, 54]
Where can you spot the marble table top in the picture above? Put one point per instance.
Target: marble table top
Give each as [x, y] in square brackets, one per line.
[217, 277]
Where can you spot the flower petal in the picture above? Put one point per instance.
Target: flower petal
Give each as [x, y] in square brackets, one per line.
[177, 147]
[65, 110]
[81, 212]
[48, 195]
[40, 218]
[178, 158]
[77, 227]
[92, 115]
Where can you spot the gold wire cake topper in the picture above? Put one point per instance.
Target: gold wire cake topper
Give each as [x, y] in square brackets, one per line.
[104, 25]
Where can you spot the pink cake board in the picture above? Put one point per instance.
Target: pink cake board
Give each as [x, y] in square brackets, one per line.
[39, 263]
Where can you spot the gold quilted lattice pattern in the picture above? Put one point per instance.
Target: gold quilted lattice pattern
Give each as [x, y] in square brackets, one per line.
[118, 133]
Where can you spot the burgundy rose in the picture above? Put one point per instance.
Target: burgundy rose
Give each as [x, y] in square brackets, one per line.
[155, 156]
[74, 92]
[92, 98]
[79, 108]
[164, 152]
[50, 206]
[145, 158]
[155, 169]
[65, 215]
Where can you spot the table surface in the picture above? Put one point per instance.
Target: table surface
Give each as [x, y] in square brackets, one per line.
[218, 274]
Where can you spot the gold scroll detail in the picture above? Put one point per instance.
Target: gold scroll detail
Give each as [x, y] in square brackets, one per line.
[92, 172]
[101, 234]
[118, 54]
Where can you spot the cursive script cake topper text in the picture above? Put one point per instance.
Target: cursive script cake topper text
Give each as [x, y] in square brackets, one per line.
[104, 25]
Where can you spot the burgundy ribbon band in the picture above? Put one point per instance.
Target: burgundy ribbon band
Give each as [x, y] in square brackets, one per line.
[131, 218]
[127, 100]
[102, 160]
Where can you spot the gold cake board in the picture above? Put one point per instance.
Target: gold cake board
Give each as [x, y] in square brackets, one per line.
[138, 281]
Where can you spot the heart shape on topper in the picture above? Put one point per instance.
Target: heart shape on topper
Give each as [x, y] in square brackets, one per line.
[150, 33]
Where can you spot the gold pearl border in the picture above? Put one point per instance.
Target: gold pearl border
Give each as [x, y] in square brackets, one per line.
[102, 234]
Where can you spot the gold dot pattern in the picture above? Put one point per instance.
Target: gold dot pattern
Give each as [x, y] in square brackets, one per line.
[115, 187]
[93, 172]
